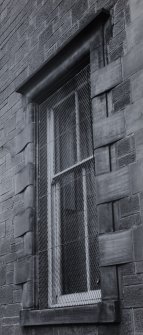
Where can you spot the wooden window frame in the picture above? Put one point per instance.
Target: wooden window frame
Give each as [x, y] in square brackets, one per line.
[74, 299]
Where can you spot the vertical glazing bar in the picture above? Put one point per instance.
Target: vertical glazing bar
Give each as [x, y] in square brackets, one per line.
[77, 126]
[86, 227]
[57, 246]
[50, 166]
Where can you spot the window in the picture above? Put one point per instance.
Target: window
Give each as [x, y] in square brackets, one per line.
[73, 268]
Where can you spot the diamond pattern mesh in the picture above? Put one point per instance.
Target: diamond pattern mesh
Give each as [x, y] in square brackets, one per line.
[67, 189]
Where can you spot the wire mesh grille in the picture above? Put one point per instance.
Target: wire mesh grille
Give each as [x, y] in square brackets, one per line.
[67, 181]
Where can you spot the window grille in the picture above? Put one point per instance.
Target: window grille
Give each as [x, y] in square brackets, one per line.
[67, 189]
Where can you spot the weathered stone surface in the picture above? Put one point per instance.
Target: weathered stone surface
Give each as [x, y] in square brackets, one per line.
[137, 242]
[29, 197]
[116, 248]
[24, 137]
[133, 296]
[139, 267]
[139, 144]
[24, 178]
[138, 317]
[126, 160]
[106, 78]
[112, 186]
[127, 323]
[133, 61]
[129, 205]
[137, 86]
[129, 221]
[134, 32]
[125, 146]
[29, 153]
[105, 218]
[6, 295]
[134, 117]
[136, 176]
[23, 270]
[23, 222]
[121, 95]
[136, 8]
[109, 130]
[27, 295]
[102, 163]
[28, 243]
[108, 276]
[133, 279]
[99, 108]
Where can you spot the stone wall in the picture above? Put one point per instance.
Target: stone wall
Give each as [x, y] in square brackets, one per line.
[30, 33]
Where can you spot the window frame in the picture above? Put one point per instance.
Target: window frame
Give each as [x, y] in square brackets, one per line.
[73, 299]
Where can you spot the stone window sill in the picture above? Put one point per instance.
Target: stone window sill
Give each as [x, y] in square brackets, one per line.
[103, 312]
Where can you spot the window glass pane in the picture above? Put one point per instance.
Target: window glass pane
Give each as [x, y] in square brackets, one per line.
[65, 134]
[73, 262]
[85, 122]
[92, 228]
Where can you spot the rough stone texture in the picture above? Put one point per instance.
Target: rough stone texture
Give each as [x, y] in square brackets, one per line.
[106, 78]
[112, 186]
[23, 270]
[24, 178]
[23, 138]
[109, 130]
[136, 173]
[31, 32]
[23, 222]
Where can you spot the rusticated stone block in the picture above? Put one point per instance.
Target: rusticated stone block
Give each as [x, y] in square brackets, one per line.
[23, 270]
[106, 78]
[24, 137]
[129, 205]
[126, 160]
[108, 276]
[121, 95]
[138, 243]
[134, 117]
[27, 295]
[129, 221]
[139, 267]
[102, 163]
[116, 248]
[29, 197]
[109, 130]
[28, 243]
[133, 61]
[137, 86]
[134, 32]
[29, 113]
[139, 144]
[112, 186]
[105, 218]
[23, 222]
[136, 176]
[99, 108]
[24, 178]
[29, 153]
[125, 146]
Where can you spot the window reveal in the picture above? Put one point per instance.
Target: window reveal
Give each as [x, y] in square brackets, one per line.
[73, 256]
